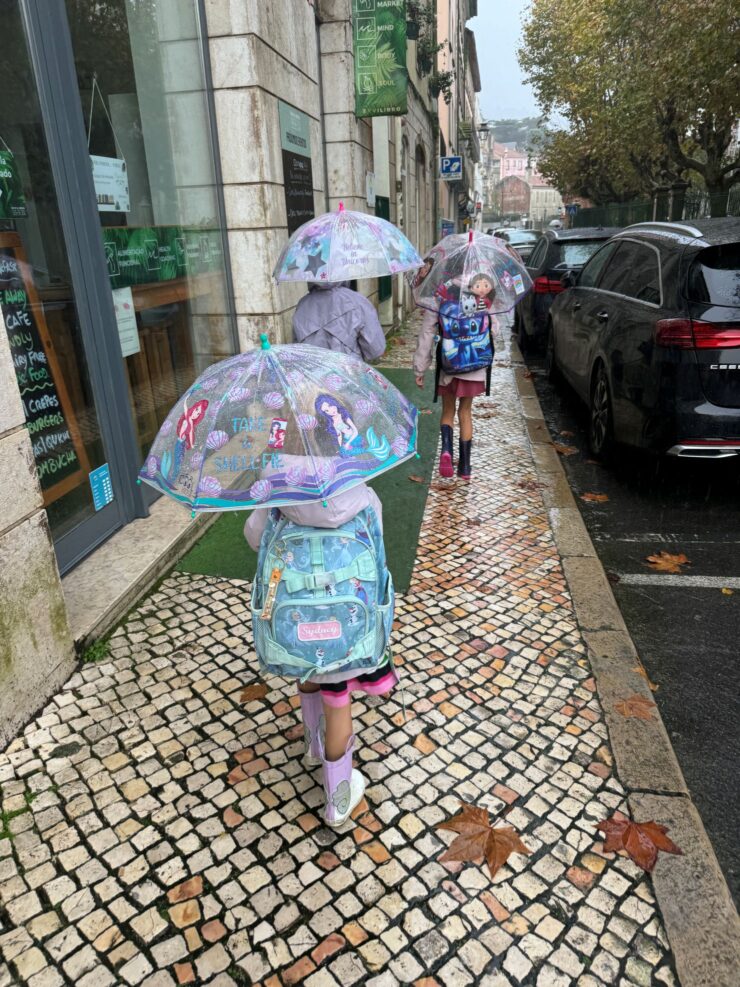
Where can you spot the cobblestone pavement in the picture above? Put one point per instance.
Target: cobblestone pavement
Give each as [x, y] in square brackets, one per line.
[157, 831]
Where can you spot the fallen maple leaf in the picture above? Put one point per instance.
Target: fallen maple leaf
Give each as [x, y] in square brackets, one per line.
[638, 706]
[252, 692]
[641, 670]
[564, 450]
[476, 838]
[595, 498]
[665, 562]
[530, 485]
[416, 479]
[641, 841]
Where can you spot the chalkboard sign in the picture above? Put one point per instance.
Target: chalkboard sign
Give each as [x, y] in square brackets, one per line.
[298, 190]
[61, 460]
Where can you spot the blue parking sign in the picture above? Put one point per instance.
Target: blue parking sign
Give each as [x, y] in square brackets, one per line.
[450, 169]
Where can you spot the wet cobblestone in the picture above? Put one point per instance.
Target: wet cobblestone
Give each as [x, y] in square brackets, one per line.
[156, 831]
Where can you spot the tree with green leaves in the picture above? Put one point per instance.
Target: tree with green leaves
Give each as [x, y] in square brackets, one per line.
[649, 93]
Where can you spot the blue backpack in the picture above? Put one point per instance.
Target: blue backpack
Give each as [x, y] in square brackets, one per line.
[322, 599]
[465, 342]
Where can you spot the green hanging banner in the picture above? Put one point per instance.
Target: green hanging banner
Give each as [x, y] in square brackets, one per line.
[379, 35]
[12, 200]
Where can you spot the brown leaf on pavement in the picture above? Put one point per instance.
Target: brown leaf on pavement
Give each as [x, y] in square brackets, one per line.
[564, 450]
[530, 484]
[726, 591]
[595, 498]
[252, 692]
[416, 479]
[640, 841]
[476, 838]
[527, 375]
[637, 706]
[665, 562]
[641, 670]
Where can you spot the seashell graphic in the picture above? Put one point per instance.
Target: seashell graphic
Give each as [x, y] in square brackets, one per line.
[366, 407]
[334, 381]
[196, 461]
[152, 465]
[326, 470]
[210, 383]
[217, 439]
[399, 447]
[209, 487]
[294, 377]
[238, 394]
[306, 423]
[260, 490]
[166, 428]
[295, 476]
[273, 399]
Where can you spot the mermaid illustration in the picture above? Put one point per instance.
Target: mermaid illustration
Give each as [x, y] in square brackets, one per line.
[338, 423]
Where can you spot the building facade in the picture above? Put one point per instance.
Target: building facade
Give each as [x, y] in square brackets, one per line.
[156, 156]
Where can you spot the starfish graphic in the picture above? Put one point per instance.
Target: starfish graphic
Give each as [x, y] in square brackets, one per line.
[293, 266]
[315, 263]
[395, 253]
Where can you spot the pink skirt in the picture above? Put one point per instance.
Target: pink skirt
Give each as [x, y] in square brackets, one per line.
[375, 683]
[461, 388]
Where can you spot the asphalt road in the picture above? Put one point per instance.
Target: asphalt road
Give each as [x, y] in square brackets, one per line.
[686, 630]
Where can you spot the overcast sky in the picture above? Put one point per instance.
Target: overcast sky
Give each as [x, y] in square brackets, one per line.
[497, 32]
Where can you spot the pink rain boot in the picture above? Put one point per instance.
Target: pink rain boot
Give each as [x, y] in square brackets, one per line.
[446, 468]
[312, 712]
[344, 787]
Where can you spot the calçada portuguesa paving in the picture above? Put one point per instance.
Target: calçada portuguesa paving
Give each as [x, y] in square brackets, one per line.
[158, 831]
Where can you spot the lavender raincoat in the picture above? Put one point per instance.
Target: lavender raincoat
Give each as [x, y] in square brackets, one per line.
[336, 318]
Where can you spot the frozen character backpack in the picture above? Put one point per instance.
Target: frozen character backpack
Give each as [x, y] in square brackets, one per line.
[465, 337]
[323, 598]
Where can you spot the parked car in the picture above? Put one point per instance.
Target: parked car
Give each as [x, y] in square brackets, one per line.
[523, 241]
[557, 252]
[648, 335]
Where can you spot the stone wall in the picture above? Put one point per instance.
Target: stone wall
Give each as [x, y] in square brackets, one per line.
[36, 653]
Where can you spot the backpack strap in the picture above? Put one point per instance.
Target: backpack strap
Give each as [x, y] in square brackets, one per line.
[363, 567]
[437, 371]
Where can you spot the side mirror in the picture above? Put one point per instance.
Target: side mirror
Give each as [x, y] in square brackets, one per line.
[569, 279]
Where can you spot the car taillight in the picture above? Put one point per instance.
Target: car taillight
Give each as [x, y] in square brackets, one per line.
[674, 333]
[715, 335]
[687, 334]
[547, 286]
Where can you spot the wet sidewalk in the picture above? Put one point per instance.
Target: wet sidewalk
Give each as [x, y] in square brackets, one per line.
[157, 830]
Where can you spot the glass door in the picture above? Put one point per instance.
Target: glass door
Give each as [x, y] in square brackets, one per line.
[42, 315]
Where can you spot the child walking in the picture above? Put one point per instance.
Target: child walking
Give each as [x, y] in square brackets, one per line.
[323, 551]
[460, 335]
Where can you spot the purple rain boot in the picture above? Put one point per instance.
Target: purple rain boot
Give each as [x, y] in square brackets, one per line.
[445, 457]
[312, 712]
[343, 787]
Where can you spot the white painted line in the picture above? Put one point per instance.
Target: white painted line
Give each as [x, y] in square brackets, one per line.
[656, 536]
[666, 579]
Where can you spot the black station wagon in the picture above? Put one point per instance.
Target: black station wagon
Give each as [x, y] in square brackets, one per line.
[648, 334]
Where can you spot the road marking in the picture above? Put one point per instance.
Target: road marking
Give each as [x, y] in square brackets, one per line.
[703, 582]
[649, 536]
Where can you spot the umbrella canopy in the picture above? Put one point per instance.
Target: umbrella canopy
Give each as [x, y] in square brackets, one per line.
[277, 426]
[344, 245]
[471, 268]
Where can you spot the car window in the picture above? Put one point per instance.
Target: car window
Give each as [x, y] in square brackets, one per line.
[575, 253]
[714, 277]
[634, 271]
[538, 254]
[591, 273]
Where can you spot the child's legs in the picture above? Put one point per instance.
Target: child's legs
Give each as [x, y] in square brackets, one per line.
[308, 687]
[448, 410]
[338, 730]
[465, 417]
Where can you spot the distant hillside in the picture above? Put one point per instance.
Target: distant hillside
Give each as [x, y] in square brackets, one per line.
[519, 132]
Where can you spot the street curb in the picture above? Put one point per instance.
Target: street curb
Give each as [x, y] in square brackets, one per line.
[699, 916]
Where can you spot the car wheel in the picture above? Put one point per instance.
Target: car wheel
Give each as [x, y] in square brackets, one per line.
[551, 367]
[601, 422]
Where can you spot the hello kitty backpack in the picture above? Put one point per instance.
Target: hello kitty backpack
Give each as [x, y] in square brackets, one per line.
[465, 336]
[322, 599]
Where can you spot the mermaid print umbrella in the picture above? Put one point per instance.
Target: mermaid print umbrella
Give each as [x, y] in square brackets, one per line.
[344, 245]
[277, 426]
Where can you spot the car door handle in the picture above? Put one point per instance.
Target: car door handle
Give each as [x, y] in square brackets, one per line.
[602, 316]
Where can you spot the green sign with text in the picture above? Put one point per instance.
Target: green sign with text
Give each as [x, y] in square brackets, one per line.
[12, 200]
[379, 36]
[146, 254]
